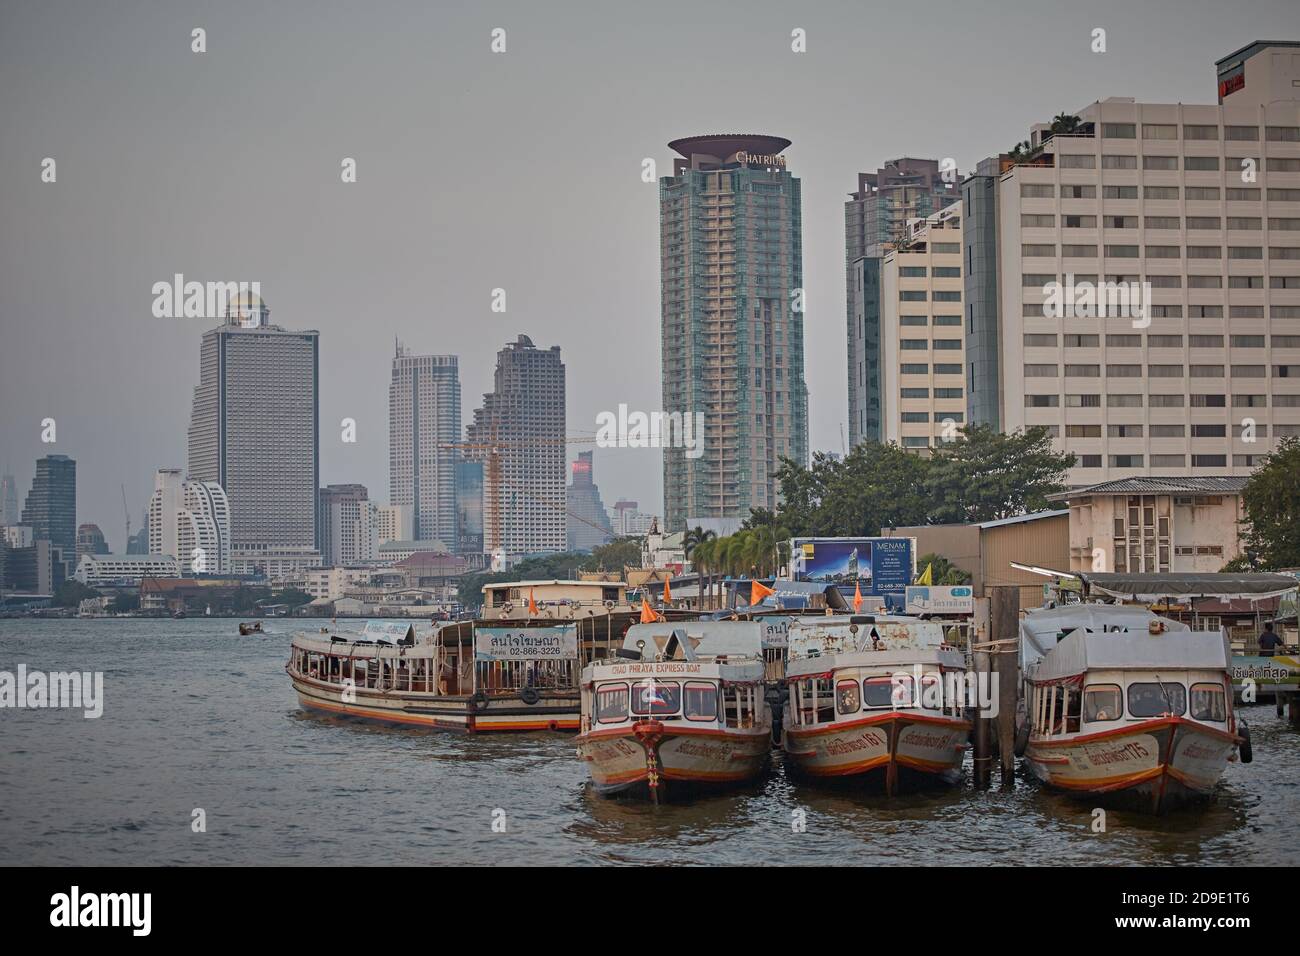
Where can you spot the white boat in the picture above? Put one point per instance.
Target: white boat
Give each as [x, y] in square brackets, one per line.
[459, 677]
[1123, 703]
[681, 707]
[875, 699]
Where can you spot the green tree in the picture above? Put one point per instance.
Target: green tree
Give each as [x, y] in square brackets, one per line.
[292, 597]
[614, 556]
[124, 601]
[985, 475]
[71, 593]
[1271, 500]
[942, 571]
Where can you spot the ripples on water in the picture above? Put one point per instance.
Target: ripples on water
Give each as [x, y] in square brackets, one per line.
[196, 716]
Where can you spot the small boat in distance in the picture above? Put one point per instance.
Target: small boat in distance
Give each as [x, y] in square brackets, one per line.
[246, 629]
[1125, 704]
[875, 699]
[679, 708]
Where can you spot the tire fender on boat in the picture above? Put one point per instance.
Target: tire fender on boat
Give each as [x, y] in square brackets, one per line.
[529, 695]
[1245, 749]
[477, 702]
[1022, 739]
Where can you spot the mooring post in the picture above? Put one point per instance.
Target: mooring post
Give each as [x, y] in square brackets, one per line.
[1004, 617]
[980, 662]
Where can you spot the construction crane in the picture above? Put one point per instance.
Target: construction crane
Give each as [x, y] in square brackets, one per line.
[489, 452]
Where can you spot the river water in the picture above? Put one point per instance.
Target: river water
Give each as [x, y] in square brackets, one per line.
[197, 718]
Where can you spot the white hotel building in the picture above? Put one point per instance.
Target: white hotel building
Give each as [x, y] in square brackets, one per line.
[1200, 201]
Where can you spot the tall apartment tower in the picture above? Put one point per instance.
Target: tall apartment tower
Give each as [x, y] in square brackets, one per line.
[190, 521]
[921, 367]
[8, 501]
[1201, 203]
[254, 430]
[589, 525]
[423, 425]
[876, 219]
[523, 418]
[731, 273]
[51, 506]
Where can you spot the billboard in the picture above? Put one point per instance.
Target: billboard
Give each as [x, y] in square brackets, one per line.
[931, 599]
[883, 567]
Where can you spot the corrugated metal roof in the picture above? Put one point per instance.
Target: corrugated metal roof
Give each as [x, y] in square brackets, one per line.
[1034, 516]
[1166, 486]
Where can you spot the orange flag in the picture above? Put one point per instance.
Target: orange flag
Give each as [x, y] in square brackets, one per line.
[668, 592]
[648, 615]
[758, 591]
[532, 604]
[857, 596]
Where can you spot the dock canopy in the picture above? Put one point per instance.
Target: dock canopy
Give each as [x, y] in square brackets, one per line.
[1152, 587]
[1133, 650]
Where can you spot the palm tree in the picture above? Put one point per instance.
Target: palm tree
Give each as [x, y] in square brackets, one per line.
[693, 538]
[1065, 123]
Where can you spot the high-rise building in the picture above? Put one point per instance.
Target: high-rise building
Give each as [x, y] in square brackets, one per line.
[921, 369]
[523, 419]
[191, 522]
[347, 534]
[391, 523]
[1141, 299]
[469, 506]
[876, 219]
[254, 431]
[423, 427]
[731, 273]
[8, 500]
[589, 525]
[90, 540]
[629, 521]
[51, 506]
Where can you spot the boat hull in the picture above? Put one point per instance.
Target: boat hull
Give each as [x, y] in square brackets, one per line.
[894, 751]
[553, 712]
[1158, 764]
[661, 760]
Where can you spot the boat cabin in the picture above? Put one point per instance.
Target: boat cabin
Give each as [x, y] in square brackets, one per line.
[704, 673]
[556, 599]
[1112, 666]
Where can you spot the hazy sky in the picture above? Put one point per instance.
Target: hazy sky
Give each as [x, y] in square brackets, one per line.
[475, 171]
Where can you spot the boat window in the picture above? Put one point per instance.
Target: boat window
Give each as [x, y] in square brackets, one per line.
[1157, 699]
[611, 703]
[1103, 702]
[740, 703]
[656, 698]
[848, 697]
[901, 691]
[1208, 702]
[877, 691]
[701, 701]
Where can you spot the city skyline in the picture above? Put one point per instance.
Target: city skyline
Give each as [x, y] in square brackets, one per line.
[133, 432]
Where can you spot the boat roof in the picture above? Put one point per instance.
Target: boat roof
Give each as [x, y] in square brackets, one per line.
[813, 636]
[1041, 628]
[709, 638]
[497, 585]
[1083, 650]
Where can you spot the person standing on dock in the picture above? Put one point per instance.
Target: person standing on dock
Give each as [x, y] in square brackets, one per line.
[1268, 640]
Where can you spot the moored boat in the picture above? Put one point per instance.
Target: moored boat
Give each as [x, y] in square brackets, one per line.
[875, 700]
[457, 678]
[1127, 705]
[680, 708]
